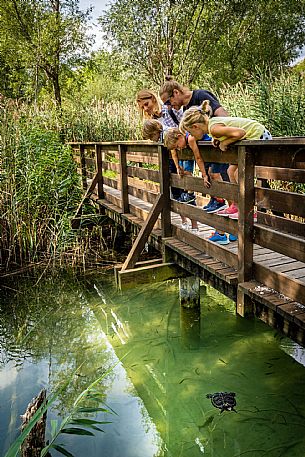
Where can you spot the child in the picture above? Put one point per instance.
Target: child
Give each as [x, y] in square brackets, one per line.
[174, 139]
[224, 130]
[153, 130]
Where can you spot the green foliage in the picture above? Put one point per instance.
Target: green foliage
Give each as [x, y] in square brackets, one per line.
[39, 187]
[224, 39]
[279, 103]
[40, 41]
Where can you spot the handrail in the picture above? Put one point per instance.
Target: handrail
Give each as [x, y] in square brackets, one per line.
[265, 158]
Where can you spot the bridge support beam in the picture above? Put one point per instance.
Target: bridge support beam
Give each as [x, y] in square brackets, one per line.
[189, 292]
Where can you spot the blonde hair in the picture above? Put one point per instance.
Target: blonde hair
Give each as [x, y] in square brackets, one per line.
[170, 85]
[171, 138]
[151, 128]
[147, 94]
[195, 115]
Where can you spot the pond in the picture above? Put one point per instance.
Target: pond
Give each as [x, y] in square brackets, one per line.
[162, 362]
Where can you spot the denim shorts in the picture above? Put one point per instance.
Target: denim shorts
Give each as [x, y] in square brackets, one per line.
[217, 167]
[188, 165]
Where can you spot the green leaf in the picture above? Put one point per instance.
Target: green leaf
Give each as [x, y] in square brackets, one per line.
[54, 423]
[86, 422]
[62, 450]
[76, 431]
[92, 410]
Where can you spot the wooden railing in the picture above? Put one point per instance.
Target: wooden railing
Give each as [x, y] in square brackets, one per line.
[141, 170]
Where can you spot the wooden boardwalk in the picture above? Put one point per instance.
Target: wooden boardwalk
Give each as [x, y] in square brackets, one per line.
[264, 271]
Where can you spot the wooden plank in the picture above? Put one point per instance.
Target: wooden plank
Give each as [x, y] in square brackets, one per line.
[211, 154]
[143, 173]
[280, 242]
[281, 174]
[111, 166]
[221, 223]
[288, 202]
[245, 226]
[292, 288]
[281, 224]
[290, 154]
[123, 178]
[83, 166]
[206, 246]
[142, 237]
[290, 310]
[166, 223]
[150, 275]
[223, 189]
[99, 169]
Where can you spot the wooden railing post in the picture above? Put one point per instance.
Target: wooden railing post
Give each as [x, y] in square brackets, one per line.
[99, 169]
[124, 178]
[83, 165]
[165, 190]
[246, 202]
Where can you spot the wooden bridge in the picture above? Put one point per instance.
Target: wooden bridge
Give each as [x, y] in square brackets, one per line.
[264, 271]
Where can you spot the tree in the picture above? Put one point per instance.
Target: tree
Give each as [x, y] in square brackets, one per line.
[43, 36]
[225, 38]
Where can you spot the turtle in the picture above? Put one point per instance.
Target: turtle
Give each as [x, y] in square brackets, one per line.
[225, 401]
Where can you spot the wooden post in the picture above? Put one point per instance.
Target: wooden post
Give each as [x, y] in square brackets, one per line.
[124, 178]
[99, 169]
[246, 201]
[189, 292]
[165, 190]
[83, 165]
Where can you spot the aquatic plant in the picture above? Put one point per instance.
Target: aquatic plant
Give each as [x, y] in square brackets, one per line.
[74, 423]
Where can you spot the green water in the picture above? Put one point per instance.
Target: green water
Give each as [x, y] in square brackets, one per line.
[173, 358]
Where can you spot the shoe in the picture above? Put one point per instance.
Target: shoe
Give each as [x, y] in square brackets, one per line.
[218, 238]
[234, 215]
[217, 206]
[232, 237]
[210, 203]
[185, 225]
[187, 197]
[194, 230]
[226, 212]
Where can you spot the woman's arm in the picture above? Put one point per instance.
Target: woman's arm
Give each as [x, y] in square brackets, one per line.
[232, 134]
[194, 147]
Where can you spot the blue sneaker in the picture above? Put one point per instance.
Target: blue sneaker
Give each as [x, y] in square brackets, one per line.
[210, 203]
[218, 238]
[232, 237]
[187, 197]
[217, 206]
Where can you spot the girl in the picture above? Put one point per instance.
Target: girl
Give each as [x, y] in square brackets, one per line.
[224, 131]
[150, 107]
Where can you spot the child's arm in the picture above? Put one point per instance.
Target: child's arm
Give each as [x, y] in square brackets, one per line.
[194, 147]
[232, 134]
[180, 170]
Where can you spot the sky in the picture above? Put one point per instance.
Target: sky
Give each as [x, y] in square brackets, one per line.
[98, 7]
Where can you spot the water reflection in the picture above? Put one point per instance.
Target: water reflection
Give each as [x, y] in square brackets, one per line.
[175, 357]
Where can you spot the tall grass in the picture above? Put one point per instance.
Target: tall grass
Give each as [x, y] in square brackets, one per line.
[279, 103]
[39, 185]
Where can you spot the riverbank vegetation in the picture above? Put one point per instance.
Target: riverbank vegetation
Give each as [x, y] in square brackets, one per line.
[54, 90]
